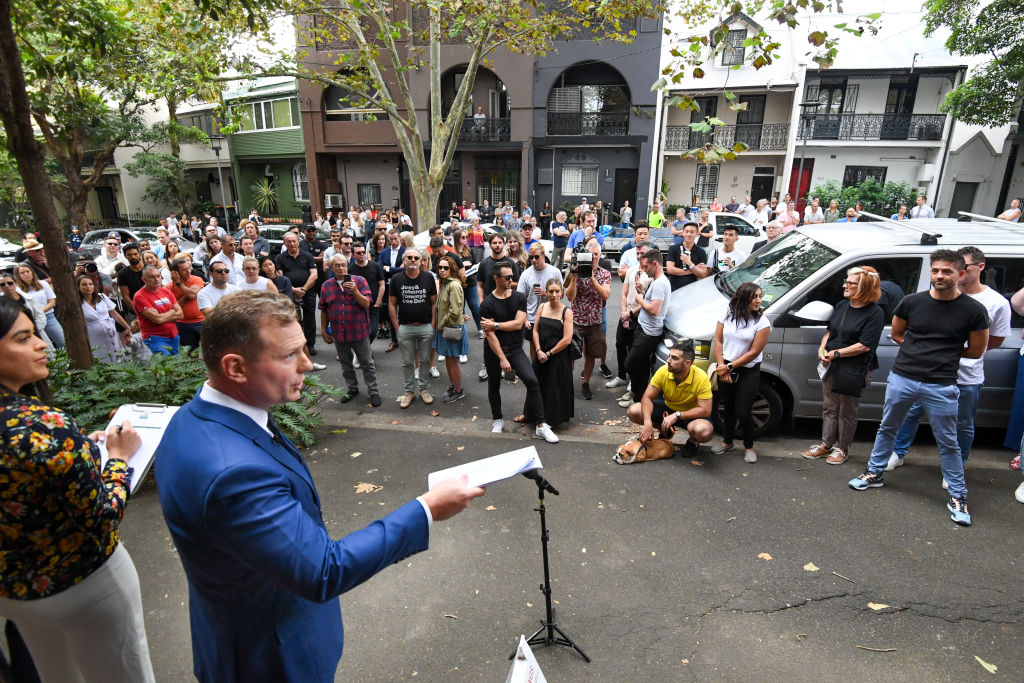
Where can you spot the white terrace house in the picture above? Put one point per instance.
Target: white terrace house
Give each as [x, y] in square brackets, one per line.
[770, 96]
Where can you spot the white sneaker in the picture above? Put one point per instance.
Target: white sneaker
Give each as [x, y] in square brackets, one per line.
[463, 359]
[1019, 493]
[749, 455]
[355, 362]
[945, 484]
[497, 426]
[319, 366]
[544, 432]
[615, 382]
[894, 462]
[434, 372]
[416, 373]
[441, 358]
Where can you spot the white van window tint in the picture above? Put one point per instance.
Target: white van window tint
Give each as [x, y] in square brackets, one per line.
[779, 267]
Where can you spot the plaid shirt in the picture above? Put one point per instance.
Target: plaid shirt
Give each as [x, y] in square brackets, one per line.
[349, 321]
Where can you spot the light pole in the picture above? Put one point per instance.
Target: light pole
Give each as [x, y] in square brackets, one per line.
[215, 146]
[804, 107]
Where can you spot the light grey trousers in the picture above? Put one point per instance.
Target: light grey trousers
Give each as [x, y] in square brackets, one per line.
[93, 631]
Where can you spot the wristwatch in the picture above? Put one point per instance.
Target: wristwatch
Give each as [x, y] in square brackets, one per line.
[837, 354]
[729, 365]
[679, 414]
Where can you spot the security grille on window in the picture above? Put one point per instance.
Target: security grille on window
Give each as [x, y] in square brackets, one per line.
[368, 194]
[855, 175]
[579, 180]
[300, 182]
[706, 186]
[733, 52]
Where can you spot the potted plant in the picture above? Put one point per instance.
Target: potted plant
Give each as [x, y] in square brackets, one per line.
[264, 196]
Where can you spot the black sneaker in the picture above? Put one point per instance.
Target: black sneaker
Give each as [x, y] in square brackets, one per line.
[868, 480]
[587, 393]
[606, 371]
[375, 400]
[352, 393]
[451, 396]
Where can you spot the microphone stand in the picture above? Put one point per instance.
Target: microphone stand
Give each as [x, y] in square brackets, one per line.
[545, 635]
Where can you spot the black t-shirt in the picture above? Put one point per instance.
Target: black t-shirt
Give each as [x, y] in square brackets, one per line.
[935, 337]
[850, 325]
[504, 310]
[892, 295]
[413, 297]
[130, 279]
[486, 273]
[704, 235]
[675, 253]
[295, 269]
[372, 273]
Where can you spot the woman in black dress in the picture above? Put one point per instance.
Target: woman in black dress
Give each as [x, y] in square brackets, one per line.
[552, 335]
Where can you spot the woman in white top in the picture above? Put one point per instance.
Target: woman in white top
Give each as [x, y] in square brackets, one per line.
[101, 320]
[41, 294]
[149, 258]
[253, 279]
[739, 340]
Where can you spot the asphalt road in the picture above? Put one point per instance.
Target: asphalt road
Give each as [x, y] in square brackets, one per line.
[661, 571]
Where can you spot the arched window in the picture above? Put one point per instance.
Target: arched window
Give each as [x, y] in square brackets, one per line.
[300, 182]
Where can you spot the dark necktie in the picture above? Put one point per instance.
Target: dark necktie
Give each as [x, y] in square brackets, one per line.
[275, 431]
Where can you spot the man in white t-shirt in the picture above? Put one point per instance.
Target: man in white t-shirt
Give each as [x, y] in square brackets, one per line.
[813, 213]
[971, 374]
[218, 288]
[653, 303]
[230, 258]
[747, 209]
[532, 284]
[762, 214]
[727, 256]
[629, 309]
[1012, 214]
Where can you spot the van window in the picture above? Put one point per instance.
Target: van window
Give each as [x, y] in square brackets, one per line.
[778, 267]
[1006, 276]
[742, 227]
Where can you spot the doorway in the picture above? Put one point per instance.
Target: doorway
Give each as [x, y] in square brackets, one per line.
[762, 184]
[799, 190]
[625, 189]
[963, 198]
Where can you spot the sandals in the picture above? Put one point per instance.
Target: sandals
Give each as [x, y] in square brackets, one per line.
[816, 451]
[837, 457]
[520, 419]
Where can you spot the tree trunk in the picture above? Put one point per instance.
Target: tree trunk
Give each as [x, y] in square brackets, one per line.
[427, 195]
[16, 118]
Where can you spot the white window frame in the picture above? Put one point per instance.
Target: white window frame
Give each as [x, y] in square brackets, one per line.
[705, 185]
[580, 180]
[734, 48]
[300, 182]
[265, 106]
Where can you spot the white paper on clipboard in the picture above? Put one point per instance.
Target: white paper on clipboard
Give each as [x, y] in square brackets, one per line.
[490, 470]
[150, 420]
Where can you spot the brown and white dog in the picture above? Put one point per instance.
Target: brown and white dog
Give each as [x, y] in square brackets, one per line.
[636, 452]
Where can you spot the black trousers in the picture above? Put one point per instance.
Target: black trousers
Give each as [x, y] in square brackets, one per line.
[623, 343]
[534, 406]
[387, 312]
[638, 361]
[307, 309]
[737, 399]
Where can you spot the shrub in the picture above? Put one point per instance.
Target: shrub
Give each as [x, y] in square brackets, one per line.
[91, 395]
[883, 200]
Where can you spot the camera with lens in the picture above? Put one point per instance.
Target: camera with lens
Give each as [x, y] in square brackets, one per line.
[583, 263]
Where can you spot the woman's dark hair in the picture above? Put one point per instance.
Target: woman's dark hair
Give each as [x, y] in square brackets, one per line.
[739, 305]
[10, 310]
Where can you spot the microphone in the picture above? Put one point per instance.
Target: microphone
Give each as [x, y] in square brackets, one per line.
[541, 481]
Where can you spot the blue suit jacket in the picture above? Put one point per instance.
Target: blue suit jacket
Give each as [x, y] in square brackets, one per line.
[385, 261]
[263, 574]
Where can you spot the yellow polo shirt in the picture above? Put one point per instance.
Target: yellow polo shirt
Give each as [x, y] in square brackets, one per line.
[682, 396]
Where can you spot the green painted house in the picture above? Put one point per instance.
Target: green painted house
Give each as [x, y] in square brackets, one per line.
[268, 144]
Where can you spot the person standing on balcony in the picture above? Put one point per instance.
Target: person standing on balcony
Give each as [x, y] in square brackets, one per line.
[479, 124]
[922, 210]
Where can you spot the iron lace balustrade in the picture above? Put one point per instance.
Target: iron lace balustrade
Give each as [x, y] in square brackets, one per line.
[489, 129]
[588, 123]
[762, 137]
[873, 127]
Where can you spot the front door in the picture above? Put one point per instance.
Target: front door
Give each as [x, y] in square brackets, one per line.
[963, 198]
[108, 203]
[625, 189]
[800, 190]
[761, 187]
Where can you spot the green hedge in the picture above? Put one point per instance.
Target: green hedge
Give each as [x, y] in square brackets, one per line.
[883, 200]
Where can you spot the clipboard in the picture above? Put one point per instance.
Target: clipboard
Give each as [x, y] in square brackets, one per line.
[150, 420]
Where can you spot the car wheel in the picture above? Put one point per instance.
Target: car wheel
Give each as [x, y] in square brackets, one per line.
[767, 411]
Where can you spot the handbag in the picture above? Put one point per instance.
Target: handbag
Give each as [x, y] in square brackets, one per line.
[849, 374]
[452, 333]
[713, 376]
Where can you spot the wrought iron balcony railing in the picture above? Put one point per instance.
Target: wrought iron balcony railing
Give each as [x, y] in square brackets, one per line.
[872, 127]
[588, 123]
[757, 136]
[489, 129]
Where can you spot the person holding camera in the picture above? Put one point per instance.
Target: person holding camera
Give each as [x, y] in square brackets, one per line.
[588, 286]
[740, 338]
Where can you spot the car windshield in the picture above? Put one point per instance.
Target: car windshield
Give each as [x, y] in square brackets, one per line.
[778, 267]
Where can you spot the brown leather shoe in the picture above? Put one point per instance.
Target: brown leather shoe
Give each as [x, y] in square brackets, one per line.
[426, 397]
[391, 347]
[407, 399]
[816, 451]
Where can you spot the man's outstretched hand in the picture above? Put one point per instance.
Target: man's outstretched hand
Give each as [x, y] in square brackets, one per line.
[450, 497]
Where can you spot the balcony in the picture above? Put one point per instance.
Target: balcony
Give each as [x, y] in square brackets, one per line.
[759, 137]
[490, 129]
[588, 123]
[923, 127]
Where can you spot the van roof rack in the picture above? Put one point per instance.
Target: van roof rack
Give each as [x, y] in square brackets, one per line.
[927, 237]
[991, 219]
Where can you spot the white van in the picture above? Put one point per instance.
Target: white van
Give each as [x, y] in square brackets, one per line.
[801, 276]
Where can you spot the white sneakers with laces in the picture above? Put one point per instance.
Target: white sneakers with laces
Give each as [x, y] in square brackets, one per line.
[497, 426]
[544, 432]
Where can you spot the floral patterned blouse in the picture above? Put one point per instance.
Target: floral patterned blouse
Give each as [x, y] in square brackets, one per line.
[58, 513]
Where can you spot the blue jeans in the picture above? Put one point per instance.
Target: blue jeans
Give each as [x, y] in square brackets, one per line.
[473, 301]
[168, 346]
[966, 410]
[940, 403]
[1015, 429]
[54, 331]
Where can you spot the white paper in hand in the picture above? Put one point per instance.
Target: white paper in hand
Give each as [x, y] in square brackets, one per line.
[525, 668]
[150, 422]
[490, 470]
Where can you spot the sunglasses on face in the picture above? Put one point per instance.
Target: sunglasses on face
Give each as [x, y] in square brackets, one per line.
[440, 268]
[6, 284]
[219, 271]
[508, 278]
[412, 258]
[536, 257]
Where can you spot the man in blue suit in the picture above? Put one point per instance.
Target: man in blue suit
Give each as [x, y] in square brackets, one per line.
[263, 573]
[391, 262]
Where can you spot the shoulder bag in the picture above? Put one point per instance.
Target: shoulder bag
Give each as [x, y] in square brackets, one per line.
[849, 374]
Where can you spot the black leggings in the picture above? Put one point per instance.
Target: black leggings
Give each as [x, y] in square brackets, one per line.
[738, 400]
[623, 343]
[534, 407]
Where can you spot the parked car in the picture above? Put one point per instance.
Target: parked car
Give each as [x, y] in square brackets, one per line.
[801, 276]
[8, 248]
[92, 243]
[616, 238]
[274, 234]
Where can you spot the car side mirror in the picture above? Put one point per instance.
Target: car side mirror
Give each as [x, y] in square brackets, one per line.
[815, 311]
